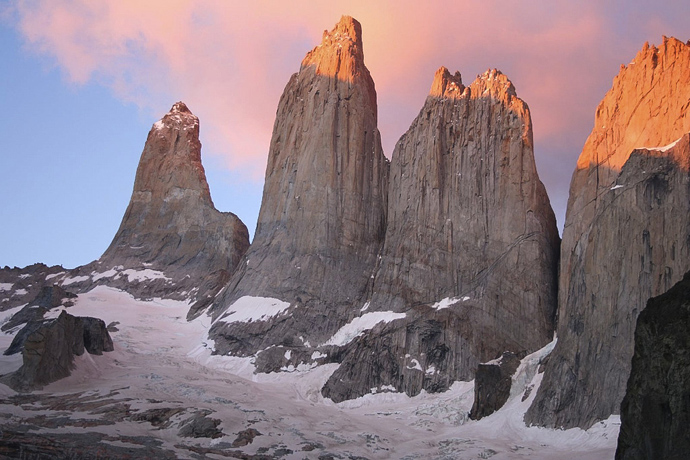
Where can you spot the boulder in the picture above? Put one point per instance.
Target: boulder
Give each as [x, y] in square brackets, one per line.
[492, 384]
[48, 349]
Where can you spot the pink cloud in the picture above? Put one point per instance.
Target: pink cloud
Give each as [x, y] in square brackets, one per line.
[230, 60]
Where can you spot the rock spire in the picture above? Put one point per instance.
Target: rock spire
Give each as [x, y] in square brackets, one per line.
[322, 216]
[171, 224]
[471, 245]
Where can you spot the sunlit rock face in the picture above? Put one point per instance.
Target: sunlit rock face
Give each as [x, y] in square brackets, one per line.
[625, 237]
[171, 225]
[471, 246]
[323, 213]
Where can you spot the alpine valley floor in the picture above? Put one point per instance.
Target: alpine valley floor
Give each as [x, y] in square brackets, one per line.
[162, 395]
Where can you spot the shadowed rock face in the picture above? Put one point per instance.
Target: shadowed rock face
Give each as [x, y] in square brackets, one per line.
[625, 237]
[469, 221]
[322, 216]
[492, 385]
[655, 412]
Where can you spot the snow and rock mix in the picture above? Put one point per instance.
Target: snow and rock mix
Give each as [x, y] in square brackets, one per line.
[163, 393]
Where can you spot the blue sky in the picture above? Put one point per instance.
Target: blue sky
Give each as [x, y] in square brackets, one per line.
[82, 82]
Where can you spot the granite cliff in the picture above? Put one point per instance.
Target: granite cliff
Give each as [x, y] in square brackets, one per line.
[625, 237]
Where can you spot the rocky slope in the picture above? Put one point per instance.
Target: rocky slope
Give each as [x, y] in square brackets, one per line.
[625, 237]
[322, 217]
[471, 245]
[656, 410]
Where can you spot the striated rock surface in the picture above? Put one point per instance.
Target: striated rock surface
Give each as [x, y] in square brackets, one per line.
[49, 347]
[625, 237]
[471, 245]
[655, 413]
[322, 217]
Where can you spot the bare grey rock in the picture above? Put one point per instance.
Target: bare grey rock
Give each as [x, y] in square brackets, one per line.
[625, 237]
[322, 217]
[655, 413]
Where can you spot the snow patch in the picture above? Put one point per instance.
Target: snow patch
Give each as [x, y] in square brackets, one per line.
[449, 301]
[6, 286]
[19, 292]
[664, 148]
[414, 364]
[616, 187]
[361, 324]
[250, 308]
[106, 274]
[144, 275]
[76, 279]
[365, 307]
[50, 277]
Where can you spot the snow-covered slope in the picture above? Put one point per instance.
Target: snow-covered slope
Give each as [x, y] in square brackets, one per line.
[159, 380]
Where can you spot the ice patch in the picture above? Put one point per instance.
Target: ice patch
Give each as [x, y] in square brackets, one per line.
[359, 325]
[249, 308]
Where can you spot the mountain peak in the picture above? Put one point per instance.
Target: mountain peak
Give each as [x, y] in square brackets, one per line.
[179, 106]
[447, 85]
[340, 53]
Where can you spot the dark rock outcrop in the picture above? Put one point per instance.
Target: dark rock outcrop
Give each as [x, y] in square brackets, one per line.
[49, 347]
[322, 217]
[626, 235]
[47, 298]
[492, 384]
[655, 413]
[471, 245]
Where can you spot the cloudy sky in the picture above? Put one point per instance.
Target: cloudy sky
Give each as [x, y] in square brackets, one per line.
[81, 83]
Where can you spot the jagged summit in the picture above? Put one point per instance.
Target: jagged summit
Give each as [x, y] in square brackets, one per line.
[646, 106]
[446, 84]
[492, 83]
[340, 57]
